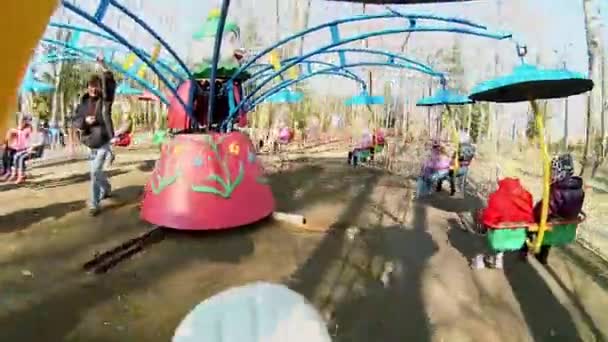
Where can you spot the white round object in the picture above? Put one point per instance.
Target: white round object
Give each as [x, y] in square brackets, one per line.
[258, 312]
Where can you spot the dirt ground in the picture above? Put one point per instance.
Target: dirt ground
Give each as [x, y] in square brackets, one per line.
[431, 295]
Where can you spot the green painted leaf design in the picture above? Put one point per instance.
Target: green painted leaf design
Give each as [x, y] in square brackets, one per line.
[163, 182]
[237, 181]
[208, 190]
[218, 179]
[239, 178]
[211, 143]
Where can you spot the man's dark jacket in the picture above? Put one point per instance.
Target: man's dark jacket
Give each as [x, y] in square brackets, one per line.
[101, 131]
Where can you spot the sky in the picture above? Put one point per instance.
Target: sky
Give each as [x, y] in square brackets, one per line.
[552, 29]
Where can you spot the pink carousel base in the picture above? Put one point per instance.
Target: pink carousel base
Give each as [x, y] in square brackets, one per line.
[205, 182]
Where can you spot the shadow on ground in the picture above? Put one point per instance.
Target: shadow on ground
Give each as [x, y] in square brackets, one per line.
[545, 316]
[343, 277]
[22, 219]
[59, 182]
[61, 307]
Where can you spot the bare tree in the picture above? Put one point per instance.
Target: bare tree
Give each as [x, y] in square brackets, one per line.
[594, 106]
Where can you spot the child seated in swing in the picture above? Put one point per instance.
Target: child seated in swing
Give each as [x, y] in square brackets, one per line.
[366, 143]
[511, 203]
[434, 169]
[566, 197]
[16, 140]
[464, 155]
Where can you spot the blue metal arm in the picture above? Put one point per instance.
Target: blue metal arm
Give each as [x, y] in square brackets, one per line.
[124, 42]
[265, 68]
[394, 14]
[350, 40]
[82, 29]
[111, 64]
[391, 58]
[288, 83]
[341, 73]
[154, 34]
[160, 62]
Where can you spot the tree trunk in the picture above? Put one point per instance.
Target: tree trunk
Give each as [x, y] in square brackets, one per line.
[277, 18]
[594, 48]
[304, 24]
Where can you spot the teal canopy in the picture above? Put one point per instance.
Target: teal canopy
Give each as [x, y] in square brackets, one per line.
[364, 99]
[286, 96]
[528, 82]
[444, 97]
[125, 89]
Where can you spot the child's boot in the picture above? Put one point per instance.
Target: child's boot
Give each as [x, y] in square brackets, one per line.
[9, 177]
[20, 177]
[478, 263]
[498, 261]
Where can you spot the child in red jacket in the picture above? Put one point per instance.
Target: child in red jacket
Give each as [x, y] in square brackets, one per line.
[511, 202]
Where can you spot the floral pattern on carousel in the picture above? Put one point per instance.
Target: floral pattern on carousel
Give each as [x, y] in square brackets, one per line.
[160, 179]
[227, 185]
[207, 182]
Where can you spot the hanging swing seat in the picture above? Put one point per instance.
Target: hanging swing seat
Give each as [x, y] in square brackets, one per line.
[511, 236]
[363, 154]
[378, 148]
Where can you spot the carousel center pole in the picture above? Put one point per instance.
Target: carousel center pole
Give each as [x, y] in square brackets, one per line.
[216, 56]
[542, 227]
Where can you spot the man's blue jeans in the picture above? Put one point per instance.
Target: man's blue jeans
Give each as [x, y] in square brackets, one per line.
[100, 186]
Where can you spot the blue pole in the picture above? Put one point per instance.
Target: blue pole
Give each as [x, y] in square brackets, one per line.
[216, 56]
[124, 42]
[102, 9]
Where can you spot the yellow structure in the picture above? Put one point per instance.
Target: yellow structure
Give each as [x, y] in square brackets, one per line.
[22, 25]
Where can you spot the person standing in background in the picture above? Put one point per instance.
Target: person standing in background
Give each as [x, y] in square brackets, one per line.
[94, 120]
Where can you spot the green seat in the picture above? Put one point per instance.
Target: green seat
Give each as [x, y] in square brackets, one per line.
[379, 148]
[503, 240]
[560, 235]
[363, 155]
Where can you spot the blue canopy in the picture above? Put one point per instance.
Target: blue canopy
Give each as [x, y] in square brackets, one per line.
[125, 89]
[364, 99]
[444, 97]
[285, 96]
[31, 85]
[528, 82]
